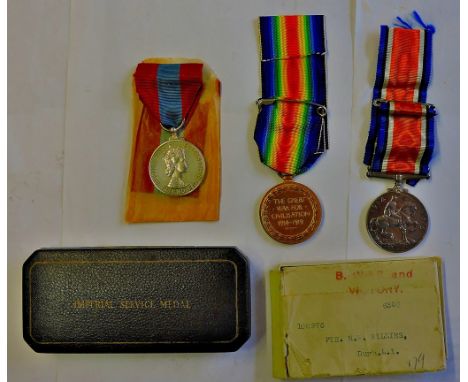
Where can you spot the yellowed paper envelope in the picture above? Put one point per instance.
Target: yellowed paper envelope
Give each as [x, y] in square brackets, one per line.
[369, 317]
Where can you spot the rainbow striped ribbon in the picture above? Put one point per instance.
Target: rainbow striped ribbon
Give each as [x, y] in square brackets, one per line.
[401, 134]
[290, 133]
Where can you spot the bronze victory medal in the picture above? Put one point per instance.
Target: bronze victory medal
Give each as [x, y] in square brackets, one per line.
[290, 212]
[397, 221]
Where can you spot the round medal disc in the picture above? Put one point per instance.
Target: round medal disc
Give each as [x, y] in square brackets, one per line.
[290, 212]
[177, 167]
[397, 221]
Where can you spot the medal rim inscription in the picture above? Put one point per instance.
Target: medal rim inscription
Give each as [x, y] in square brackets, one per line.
[399, 248]
[162, 148]
[311, 227]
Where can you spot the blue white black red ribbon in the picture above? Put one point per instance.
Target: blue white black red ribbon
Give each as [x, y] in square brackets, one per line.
[401, 134]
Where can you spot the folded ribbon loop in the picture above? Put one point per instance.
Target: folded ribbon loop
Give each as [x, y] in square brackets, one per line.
[401, 134]
[291, 131]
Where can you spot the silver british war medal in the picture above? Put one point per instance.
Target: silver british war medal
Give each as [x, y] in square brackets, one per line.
[397, 221]
[401, 134]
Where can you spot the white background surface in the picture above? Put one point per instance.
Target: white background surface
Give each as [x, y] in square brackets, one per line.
[70, 66]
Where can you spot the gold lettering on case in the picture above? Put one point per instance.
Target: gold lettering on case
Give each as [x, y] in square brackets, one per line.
[131, 304]
[136, 304]
[175, 304]
[93, 304]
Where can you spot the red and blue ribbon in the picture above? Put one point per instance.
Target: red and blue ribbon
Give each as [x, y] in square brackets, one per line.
[169, 91]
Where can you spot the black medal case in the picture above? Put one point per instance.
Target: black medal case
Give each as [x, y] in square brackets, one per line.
[136, 299]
